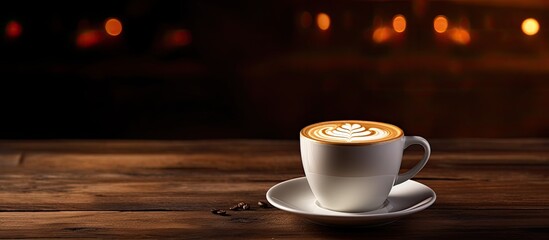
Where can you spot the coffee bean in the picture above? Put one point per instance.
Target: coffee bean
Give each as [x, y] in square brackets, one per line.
[263, 204]
[221, 212]
[240, 206]
[235, 208]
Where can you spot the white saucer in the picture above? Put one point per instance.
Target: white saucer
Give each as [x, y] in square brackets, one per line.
[295, 196]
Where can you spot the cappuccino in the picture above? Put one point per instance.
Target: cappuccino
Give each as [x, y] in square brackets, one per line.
[351, 132]
[352, 165]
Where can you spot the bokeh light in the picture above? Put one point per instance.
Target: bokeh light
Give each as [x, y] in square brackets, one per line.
[399, 23]
[113, 27]
[323, 21]
[179, 38]
[13, 29]
[530, 26]
[305, 19]
[381, 34]
[89, 38]
[440, 24]
[460, 36]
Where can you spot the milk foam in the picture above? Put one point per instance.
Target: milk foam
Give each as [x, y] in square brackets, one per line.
[351, 132]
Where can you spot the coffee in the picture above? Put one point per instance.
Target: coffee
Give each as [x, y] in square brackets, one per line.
[351, 132]
[352, 165]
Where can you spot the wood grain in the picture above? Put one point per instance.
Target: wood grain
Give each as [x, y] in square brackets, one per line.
[152, 189]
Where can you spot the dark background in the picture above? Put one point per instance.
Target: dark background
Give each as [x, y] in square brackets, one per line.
[263, 69]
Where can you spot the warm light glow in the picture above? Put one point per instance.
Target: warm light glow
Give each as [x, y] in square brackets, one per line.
[399, 23]
[530, 26]
[440, 24]
[323, 21]
[460, 36]
[179, 38]
[305, 20]
[113, 27]
[13, 29]
[88, 38]
[381, 34]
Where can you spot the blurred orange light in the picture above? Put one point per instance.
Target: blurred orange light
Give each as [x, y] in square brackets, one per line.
[13, 29]
[530, 26]
[305, 20]
[113, 27]
[399, 23]
[88, 38]
[381, 34]
[460, 36]
[323, 21]
[440, 24]
[179, 38]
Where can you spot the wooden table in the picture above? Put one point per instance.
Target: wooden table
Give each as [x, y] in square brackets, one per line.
[154, 189]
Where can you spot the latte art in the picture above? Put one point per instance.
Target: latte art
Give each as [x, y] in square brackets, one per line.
[350, 132]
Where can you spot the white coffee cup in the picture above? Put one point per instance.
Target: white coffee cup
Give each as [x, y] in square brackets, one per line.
[351, 168]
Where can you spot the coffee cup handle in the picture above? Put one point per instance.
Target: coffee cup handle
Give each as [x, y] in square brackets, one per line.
[408, 141]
